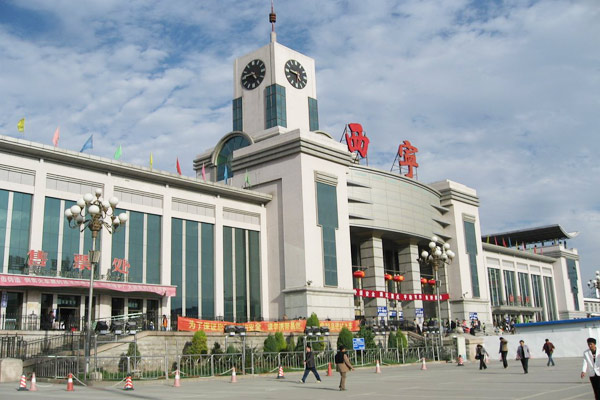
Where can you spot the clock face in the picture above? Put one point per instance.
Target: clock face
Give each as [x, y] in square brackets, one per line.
[295, 74]
[253, 74]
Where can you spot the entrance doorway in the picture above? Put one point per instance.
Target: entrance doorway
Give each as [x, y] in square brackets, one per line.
[68, 312]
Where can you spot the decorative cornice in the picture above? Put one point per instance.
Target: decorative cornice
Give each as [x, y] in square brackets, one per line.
[492, 248]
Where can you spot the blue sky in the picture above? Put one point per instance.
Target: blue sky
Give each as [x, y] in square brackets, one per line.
[502, 96]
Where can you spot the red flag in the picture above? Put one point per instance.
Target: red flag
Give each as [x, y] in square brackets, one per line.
[56, 136]
[178, 167]
[503, 242]
[495, 240]
[203, 173]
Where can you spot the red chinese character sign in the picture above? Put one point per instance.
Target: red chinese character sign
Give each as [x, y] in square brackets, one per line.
[356, 140]
[37, 258]
[407, 157]
[81, 262]
[120, 265]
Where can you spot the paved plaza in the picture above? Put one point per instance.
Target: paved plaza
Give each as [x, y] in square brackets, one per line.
[439, 381]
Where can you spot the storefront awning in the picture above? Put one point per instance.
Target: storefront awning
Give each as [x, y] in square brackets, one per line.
[44, 281]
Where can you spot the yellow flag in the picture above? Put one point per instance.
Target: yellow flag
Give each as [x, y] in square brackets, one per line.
[151, 161]
[21, 125]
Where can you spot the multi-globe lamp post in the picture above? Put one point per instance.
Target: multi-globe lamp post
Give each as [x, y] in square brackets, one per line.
[595, 283]
[439, 256]
[94, 212]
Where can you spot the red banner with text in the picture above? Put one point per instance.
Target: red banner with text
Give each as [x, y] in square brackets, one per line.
[400, 296]
[293, 326]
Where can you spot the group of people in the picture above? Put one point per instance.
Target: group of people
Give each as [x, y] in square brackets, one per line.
[523, 354]
[342, 365]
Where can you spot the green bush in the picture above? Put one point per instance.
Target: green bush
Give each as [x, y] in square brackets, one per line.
[217, 349]
[199, 344]
[345, 338]
[133, 350]
[401, 339]
[291, 344]
[281, 344]
[231, 349]
[392, 341]
[368, 335]
[313, 320]
[270, 344]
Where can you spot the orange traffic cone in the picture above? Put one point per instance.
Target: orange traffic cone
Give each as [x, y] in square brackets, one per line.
[377, 368]
[128, 383]
[423, 365]
[23, 384]
[33, 386]
[177, 378]
[280, 373]
[233, 376]
[329, 371]
[70, 383]
[460, 362]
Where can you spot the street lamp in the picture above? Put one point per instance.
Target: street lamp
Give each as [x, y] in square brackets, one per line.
[595, 283]
[439, 256]
[94, 212]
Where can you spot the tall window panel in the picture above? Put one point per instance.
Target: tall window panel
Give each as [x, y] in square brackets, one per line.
[495, 286]
[525, 298]
[573, 279]
[50, 234]
[136, 246]
[153, 248]
[176, 266]
[327, 218]
[237, 115]
[240, 276]
[228, 272]
[3, 221]
[19, 233]
[275, 107]
[254, 268]
[536, 287]
[313, 114]
[550, 302]
[208, 271]
[70, 247]
[191, 269]
[471, 244]
[510, 287]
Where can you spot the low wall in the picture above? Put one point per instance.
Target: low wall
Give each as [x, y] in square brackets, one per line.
[10, 369]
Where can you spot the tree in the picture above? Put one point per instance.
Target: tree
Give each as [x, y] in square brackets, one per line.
[231, 349]
[281, 344]
[313, 320]
[270, 344]
[198, 346]
[368, 335]
[402, 340]
[345, 338]
[291, 344]
[392, 341]
[216, 349]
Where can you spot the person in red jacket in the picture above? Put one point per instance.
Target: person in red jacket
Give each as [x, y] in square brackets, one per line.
[548, 349]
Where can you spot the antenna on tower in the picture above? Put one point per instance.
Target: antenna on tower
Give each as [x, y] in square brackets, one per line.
[272, 20]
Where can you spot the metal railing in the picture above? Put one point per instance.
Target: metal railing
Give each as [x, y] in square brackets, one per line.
[210, 365]
[16, 347]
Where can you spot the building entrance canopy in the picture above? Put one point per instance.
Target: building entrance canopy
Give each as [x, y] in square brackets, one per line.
[40, 281]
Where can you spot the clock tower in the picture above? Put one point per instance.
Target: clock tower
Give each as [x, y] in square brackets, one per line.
[274, 86]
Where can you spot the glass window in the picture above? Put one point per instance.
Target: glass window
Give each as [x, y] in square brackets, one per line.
[495, 286]
[313, 114]
[153, 248]
[275, 107]
[551, 304]
[510, 287]
[191, 269]
[19, 233]
[176, 266]
[327, 218]
[225, 156]
[228, 272]
[3, 221]
[240, 276]
[524, 299]
[208, 271]
[136, 246]
[572, 273]
[70, 246]
[52, 217]
[254, 261]
[118, 249]
[237, 114]
[471, 244]
[538, 300]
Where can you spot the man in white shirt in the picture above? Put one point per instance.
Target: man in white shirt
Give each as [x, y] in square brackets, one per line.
[591, 365]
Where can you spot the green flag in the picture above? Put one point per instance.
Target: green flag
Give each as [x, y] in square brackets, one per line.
[247, 180]
[118, 153]
[21, 125]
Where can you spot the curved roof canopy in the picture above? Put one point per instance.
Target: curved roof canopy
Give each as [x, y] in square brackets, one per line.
[531, 235]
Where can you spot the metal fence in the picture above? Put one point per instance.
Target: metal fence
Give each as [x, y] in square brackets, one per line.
[209, 365]
[16, 347]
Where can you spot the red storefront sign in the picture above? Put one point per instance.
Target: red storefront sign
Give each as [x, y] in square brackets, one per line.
[400, 296]
[18, 280]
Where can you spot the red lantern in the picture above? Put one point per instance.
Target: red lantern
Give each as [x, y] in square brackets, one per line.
[432, 282]
[398, 278]
[388, 277]
[423, 281]
[359, 274]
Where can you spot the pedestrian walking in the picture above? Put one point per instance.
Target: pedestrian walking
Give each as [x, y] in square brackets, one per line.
[481, 354]
[504, 351]
[309, 365]
[523, 355]
[591, 365]
[342, 365]
[548, 348]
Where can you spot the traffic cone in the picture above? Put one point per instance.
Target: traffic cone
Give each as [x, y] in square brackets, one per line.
[329, 371]
[460, 362]
[33, 386]
[280, 373]
[233, 376]
[23, 384]
[70, 383]
[128, 383]
[377, 368]
[177, 383]
[423, 365]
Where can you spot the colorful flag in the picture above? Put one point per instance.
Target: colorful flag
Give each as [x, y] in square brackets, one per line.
[503, 242]
[151, 160]
[21, 125]
[203, 173]
[509, 243]
[226, 174]
[247, 180]
[488, 240]
[89, 144]
[178, 167]
[118, 153]
[495, 240]
[56, 136]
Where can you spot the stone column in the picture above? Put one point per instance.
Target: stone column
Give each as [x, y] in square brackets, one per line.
[410, 268]
[371, 258]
